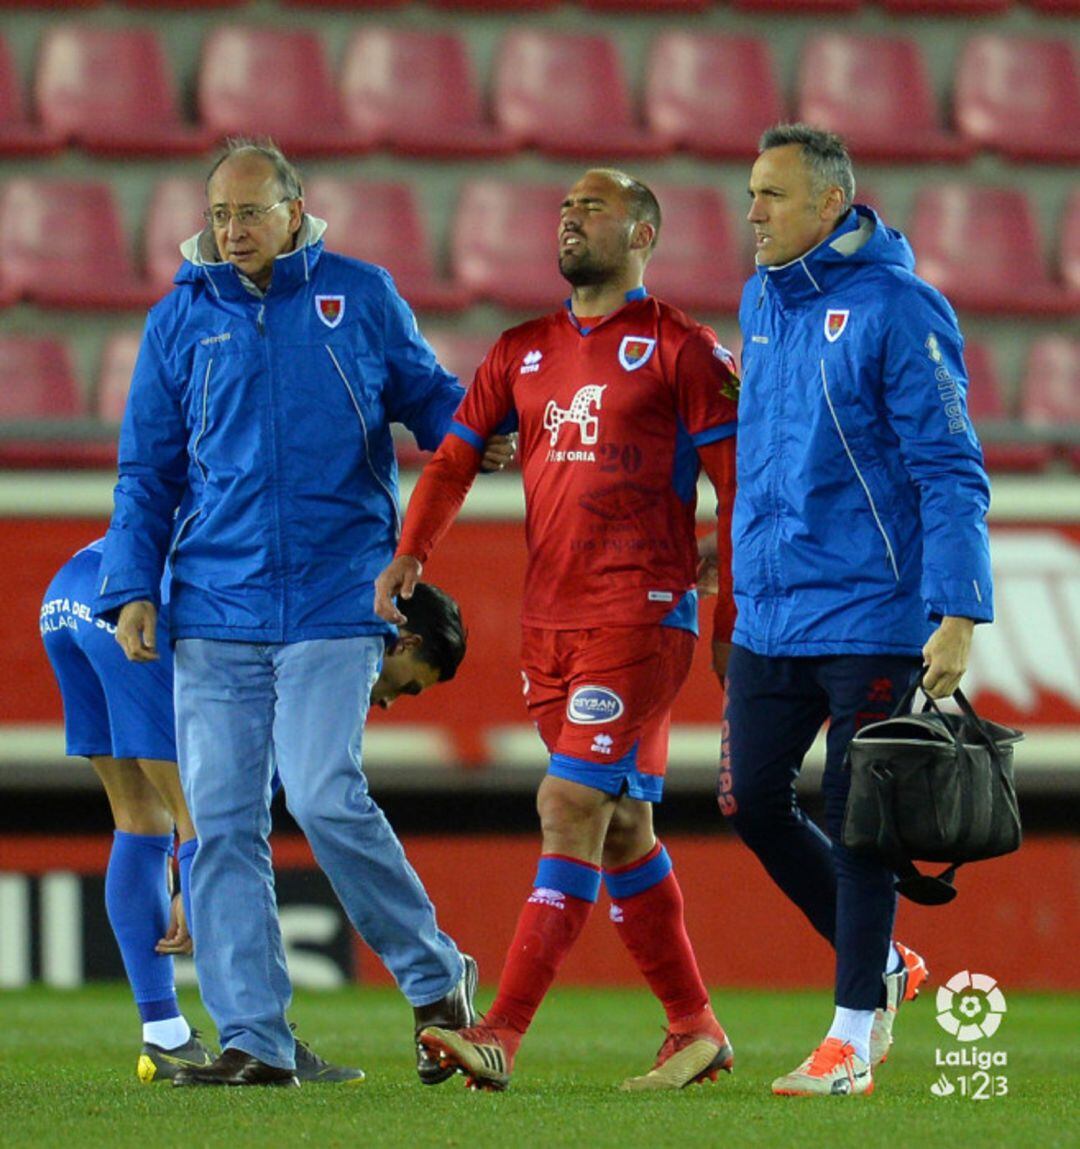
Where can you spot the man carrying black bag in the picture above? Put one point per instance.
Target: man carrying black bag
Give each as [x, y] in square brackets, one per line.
[860, 553]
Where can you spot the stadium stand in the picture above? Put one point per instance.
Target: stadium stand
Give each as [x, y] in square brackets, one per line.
[118, 356]
[63, 244]
[39, 379]
[174, 214]
[1050, 393]
[300, 108]
[111, 90]
[993, 416]
[19, 136]
[945, 7]
[566, 95]
[382, 223]
[875, 91]
[415, 93]
[503, 243]
[700, 261]
[1070, 248]
[795, 7]
[460, 354]
[1019, 96]
[981, 247]
[712, 95]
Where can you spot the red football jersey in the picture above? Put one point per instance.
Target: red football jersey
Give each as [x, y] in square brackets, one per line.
[609, 421]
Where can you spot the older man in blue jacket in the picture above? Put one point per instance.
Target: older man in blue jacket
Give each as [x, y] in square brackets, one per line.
[256, 458]
[860, 554]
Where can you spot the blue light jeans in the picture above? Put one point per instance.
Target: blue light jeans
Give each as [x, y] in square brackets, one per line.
[241, 709]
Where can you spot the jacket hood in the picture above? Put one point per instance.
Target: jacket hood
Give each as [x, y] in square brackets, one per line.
[862, 237]
[202, 261]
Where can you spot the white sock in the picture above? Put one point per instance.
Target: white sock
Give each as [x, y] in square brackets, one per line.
[853, 1026]
[895, 961]
[170, 1033]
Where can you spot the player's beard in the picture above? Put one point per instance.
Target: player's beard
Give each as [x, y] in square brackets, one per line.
[583, 269]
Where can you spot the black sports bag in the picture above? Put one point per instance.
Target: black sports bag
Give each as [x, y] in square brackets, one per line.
[934, 787]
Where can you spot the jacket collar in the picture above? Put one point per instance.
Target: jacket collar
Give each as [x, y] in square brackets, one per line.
[815, 272]
[294, 268]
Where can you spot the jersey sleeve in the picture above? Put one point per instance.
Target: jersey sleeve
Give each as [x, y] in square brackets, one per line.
[707, 387]
[488, 406]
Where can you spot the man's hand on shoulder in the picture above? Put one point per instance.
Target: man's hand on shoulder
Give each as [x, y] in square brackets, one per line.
[946, 656]
[136, 630]
[399, 578]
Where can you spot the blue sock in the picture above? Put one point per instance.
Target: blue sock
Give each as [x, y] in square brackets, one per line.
[185, 855]
[137, 902]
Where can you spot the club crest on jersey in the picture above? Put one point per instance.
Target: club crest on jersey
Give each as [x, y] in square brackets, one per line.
[330, 309]
[592, 705]
[835, 322]
[635, 351]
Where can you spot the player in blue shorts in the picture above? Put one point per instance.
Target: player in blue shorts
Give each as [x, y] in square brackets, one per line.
[119, 714]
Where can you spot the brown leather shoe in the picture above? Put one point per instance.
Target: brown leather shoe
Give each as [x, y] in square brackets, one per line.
[455, 1011]
[235, 1067]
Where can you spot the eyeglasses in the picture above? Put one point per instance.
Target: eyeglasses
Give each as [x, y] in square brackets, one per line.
[246, 216]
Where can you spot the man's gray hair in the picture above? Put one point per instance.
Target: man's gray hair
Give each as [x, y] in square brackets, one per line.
[824, 153]
[288, 177]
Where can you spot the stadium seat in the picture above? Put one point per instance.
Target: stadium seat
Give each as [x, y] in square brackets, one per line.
[268, 80]
[1020, 96]
[875, 92]
[110, 90]
[415, 93]
[946, 7]
[991, 414]
[564, 93]
[39, 379]
[981, 247]
[711, 94]
[656, 7]
[790, 7]
[18, 135]
[117, 365]
[63, 244]
[700, 264]
[461, 354]
[504, 246]
[1050, 392]
[493, 5]
[1056, 7]
[1070, 247]
[174, 214]
[381, 223]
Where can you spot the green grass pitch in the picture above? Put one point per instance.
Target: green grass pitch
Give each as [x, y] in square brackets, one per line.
[67, 1078]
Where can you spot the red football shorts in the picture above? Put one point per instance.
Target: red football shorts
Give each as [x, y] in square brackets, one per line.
[601, 700]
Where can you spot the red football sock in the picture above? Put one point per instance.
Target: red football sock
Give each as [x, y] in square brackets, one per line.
[546, 931]
[651, 926]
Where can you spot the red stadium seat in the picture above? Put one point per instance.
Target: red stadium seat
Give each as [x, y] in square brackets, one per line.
[62, 244]
[175, 214]
[117, 365]
[267, 80]
[991, 413]
[1050, 394]
[788, 7]
[875, 92]
[946, 7]
[981, 247]
[699, 264]
[110, 90]
[504, 243]
[711, 94]
[1020, 96]
[1056, 7]
[415, 92]
[1070, 247]
[493, 5]
[564, 93]
[655, 7]
[18, 136]
[39, 379]
[381, 223]
[461, 354]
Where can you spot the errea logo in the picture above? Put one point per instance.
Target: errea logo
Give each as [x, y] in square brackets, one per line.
[531, 362]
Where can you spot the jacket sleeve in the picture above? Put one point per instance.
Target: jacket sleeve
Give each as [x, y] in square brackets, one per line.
[926, 398]
[152, 476]
[420, 394]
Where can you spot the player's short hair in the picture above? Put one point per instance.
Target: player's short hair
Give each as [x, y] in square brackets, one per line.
[824, 153]
[640, 200]
[290, 184]
[436, 618]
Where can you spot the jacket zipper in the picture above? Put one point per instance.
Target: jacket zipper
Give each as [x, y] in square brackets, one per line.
[195, 456]
[858, 473]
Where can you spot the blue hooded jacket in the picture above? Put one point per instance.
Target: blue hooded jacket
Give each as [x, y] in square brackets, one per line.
[859, 517]
[255, 451]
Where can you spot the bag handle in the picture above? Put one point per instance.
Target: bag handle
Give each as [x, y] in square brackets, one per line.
[971, 719]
